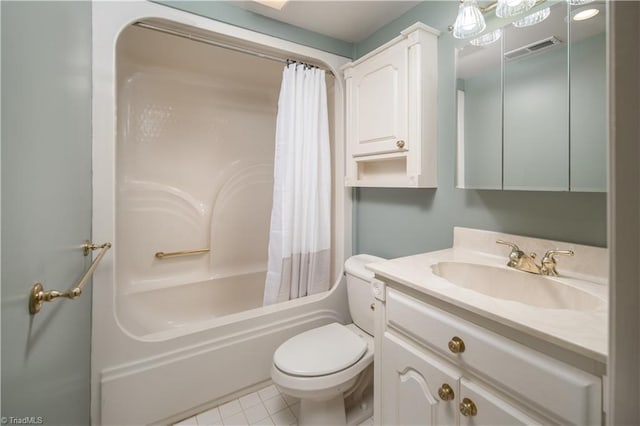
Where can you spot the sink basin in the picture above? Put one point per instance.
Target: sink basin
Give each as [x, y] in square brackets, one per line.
[523, 287]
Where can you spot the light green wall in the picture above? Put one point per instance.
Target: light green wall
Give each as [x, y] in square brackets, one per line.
[223, 12]
[396, 222]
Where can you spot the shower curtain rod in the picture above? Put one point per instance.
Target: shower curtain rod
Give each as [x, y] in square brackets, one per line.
[222, 45]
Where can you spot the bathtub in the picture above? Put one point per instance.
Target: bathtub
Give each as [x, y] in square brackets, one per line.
[169, 312]
[174, 337]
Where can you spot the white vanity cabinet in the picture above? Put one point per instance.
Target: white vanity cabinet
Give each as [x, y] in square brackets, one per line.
[391, 104]
[410, 382]
[437, 368]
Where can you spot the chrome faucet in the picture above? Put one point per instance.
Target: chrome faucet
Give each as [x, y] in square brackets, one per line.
[523, 262]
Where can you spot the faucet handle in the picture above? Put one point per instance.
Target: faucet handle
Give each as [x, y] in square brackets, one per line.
[513, 246]
[515, 255]
[549, 261]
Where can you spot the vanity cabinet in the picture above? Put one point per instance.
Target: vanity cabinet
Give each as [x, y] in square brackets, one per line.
[437, 368]
[421, 389]
[391, 106]
[409, 386]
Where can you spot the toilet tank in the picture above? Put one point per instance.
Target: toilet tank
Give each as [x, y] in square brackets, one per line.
[359, 290]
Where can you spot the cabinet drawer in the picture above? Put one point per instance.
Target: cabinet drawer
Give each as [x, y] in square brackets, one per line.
[568, 393]
[490, 409]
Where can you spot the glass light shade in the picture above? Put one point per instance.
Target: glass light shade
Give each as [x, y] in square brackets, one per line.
[509, 8]
[534, 18]
[488, 38]
[469, 22]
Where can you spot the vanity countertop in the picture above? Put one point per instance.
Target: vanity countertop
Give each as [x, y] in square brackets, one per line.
[582, 332]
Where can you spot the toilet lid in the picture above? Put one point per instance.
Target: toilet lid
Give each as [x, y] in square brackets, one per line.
[321, 351]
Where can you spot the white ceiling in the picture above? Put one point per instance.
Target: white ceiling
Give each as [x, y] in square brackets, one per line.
[347, 20]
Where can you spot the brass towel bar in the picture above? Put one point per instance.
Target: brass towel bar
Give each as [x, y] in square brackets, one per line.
[163, 255]
[38, 296]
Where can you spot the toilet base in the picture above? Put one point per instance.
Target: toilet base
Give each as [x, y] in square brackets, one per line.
[322, 413]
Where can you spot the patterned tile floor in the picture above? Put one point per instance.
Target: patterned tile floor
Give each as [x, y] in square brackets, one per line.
[265, 407]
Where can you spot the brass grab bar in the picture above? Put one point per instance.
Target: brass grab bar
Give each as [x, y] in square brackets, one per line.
[38, 296]
[163, 255]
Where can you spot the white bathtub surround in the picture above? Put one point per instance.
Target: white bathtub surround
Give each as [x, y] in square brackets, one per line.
[300, 238]
[173, 330]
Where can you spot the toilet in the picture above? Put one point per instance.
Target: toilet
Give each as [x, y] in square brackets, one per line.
[326, 365]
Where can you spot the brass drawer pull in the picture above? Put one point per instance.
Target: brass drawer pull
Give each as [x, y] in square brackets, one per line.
[400, 144]
[456, 345]
[468, 408]
[445, 392]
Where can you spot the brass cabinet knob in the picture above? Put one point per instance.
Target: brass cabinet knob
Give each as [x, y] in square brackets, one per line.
[456, 345]
[445, 392]
[400, 144]
[468, 408]
[373, 306]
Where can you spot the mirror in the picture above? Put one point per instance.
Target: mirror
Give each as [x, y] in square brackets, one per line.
[532, 105]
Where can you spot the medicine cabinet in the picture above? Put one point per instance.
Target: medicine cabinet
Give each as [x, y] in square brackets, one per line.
[531, 107]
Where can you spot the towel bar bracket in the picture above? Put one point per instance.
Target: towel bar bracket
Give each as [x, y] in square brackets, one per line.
[37, 295]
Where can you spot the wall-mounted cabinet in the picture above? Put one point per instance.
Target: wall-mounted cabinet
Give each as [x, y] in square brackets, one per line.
[532, 105]
[391, 98]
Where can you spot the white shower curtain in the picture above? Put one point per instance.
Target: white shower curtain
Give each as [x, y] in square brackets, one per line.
[299, 242]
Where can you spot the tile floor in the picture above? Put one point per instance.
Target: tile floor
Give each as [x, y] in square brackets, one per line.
[264, 407]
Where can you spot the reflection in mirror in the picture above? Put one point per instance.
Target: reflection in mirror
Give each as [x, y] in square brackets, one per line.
[532, 105]
[536, 103]
[479, 90]
[588, 97]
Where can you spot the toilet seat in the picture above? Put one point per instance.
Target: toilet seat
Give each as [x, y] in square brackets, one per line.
[320, 351]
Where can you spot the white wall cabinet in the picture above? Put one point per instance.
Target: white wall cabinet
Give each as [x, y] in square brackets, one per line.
[391, 112]
[491, 380]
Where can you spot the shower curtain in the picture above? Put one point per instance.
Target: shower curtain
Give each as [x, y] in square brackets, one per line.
[300, 236]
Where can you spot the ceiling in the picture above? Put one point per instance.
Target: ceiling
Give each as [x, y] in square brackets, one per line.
[348, 20]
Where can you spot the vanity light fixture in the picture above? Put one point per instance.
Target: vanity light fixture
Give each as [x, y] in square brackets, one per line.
[469, 22]
[488, 38]
[534, 18]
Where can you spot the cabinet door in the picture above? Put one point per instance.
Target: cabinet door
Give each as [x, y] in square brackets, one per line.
[489, 409]
[378, 103]
[410, 383]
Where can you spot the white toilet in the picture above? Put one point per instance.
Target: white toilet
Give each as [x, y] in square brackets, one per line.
[325, 365]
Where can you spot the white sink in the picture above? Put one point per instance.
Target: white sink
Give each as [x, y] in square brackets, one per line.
[523, 287]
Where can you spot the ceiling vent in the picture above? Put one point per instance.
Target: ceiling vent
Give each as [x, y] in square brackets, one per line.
[535, 47]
